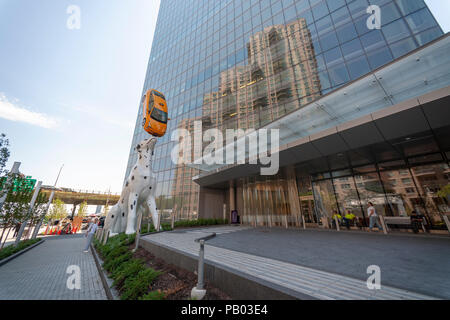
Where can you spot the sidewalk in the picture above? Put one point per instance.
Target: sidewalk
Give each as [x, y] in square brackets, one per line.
[40, 274]
[324, 265]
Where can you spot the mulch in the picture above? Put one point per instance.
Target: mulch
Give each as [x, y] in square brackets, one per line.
[176, 282]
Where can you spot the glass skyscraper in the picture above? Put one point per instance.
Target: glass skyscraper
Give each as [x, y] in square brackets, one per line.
[245, 63]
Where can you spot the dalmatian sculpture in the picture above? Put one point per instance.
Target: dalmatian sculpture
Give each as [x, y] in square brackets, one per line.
[138, 194]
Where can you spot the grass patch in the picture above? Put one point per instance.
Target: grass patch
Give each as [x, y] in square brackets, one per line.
[136, 286]
[153, 295]
[131, 277]
[12, 249]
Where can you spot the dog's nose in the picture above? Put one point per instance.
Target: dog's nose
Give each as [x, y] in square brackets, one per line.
[138, 147]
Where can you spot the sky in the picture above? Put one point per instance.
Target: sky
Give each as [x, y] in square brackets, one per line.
[71, 96]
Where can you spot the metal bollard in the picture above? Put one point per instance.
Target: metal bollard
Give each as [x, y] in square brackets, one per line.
[198, 292]
[336, 220]
[201, 260]
[383, 224]
[447, 222]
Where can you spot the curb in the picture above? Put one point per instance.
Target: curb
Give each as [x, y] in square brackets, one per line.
[107, 283]
[15, 255]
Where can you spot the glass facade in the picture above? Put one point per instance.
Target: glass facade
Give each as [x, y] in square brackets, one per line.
[243, 64]
[397, 177]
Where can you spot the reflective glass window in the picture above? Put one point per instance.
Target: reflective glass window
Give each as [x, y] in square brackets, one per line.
[402, 47]
[428, 35]
[333, 57]
[341, 16]
[379, 57]
[408, 6]
[346, 33]
[352, 49]
[320, 10]
[338, 75]
[335, 4]
[373, 40]
[328, 41]
[395, 31]
[358, 8]
[358, 67]
[389, 13]
[420, 20]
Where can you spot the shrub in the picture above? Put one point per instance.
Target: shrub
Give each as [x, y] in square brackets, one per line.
[112, 264]
[115, 252]
[153, 295]
[128, 269]
[11, 249]
[200, 222]
[136, 286]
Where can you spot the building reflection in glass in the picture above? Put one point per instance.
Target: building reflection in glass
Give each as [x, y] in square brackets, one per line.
[276, 74]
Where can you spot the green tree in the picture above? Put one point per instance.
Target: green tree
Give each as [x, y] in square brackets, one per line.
[58, 210]
[82, 210]
[4, 153]
[16, 208]
[444, 192]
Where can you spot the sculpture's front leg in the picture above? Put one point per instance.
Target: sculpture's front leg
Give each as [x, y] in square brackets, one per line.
[153, 210]
[131, 219]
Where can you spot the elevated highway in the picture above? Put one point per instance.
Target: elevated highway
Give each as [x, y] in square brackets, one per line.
[76, 197]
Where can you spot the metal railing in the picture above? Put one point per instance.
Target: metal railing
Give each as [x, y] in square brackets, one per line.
[201, 259]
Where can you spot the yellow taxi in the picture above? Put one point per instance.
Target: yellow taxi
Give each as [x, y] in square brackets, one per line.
[154, 110]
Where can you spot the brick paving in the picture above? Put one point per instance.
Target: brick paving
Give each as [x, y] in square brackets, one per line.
[40, 273]
[326, 264]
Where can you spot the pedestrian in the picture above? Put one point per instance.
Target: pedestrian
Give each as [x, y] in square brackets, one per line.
[373, 217]
[90, 233]
[349, 217]
[416, 221]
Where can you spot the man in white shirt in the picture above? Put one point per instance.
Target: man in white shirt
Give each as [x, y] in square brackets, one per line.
[90, 233]
[373, 217]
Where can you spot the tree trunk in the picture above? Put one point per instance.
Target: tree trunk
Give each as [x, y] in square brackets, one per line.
[3, 232]
[5, 239]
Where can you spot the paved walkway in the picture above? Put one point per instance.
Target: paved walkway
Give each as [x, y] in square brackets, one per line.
[312, 262]
[40, 273]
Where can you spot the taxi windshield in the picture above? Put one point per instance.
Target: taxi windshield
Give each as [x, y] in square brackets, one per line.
[159, 95]
[159, 115]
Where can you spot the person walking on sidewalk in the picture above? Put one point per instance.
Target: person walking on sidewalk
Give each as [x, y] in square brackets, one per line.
[373, 217]
[90, 233]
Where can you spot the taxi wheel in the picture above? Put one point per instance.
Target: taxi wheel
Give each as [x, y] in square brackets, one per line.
[143, 122]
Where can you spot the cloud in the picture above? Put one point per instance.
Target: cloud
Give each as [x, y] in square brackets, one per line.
[10, 110]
